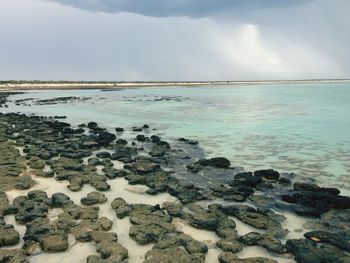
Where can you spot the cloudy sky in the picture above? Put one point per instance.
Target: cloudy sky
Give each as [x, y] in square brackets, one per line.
[174, 39]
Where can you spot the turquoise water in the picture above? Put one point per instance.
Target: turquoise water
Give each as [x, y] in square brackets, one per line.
[300, 128]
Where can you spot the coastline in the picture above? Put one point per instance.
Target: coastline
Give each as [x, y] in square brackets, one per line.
[69, 85]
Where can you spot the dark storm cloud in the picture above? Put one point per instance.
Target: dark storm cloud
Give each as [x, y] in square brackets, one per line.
[164, 8]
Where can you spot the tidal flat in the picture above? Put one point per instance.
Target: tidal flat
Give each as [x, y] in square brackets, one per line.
[89, 189]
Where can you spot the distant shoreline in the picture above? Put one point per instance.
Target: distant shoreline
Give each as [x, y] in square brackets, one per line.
[52, 85]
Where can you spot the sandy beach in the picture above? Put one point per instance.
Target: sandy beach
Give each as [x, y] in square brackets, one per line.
[51, 85]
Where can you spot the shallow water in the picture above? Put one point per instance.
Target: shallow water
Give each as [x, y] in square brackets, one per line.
[300, 128]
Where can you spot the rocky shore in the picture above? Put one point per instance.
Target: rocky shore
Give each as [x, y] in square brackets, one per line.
[208, 194]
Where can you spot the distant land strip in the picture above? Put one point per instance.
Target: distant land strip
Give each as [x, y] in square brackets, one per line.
[8, 85]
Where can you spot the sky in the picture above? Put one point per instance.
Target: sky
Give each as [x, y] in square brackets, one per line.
[145, 40]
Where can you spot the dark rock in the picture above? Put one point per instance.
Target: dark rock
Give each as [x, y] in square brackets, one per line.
[340, 240]
[264, 240]
[60, 200]
[191, 142]
[312, 200]
[253, 217]
[105, 138]
[218, 162]
[247, 179]
[155, 138]
[141, 138]
[269, 174]
[103, 155]
[92, 125]
[307, 251]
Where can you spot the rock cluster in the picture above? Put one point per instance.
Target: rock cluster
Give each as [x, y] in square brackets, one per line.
[84, 156]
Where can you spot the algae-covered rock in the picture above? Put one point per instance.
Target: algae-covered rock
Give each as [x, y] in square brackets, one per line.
[93, 198]
[171, 255]
[8, 235]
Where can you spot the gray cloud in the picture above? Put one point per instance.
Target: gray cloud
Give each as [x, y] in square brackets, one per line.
[45, 40]
[190, 8]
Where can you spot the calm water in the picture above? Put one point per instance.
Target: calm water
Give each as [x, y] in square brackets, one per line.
[300, 128]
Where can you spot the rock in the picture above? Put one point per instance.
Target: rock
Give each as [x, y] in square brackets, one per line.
[8, 235]
[155, 139]
[54, 244]
[269, 174]
[252, 217]
[305, 187]
[307, 251]
[191, 142]
[101, 185]
[24, 182]
[218, 162]
[32, 206]
[264, 240]
[108, 248]
[144, 166]
[119, 129]
[122, 209]
[228, 257]
[105, 223]
[93, 198]
[207, 221]
[105, 138]
[247, 179]
[13, 256]
[92, 125]
[36, 163]
[103, 155]
[149, 223]
[60, 200]
[141, 138]
[191, 245]
[121, 142]
[169, 255]
[340, 240]
[229, 246]
[311, 200]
